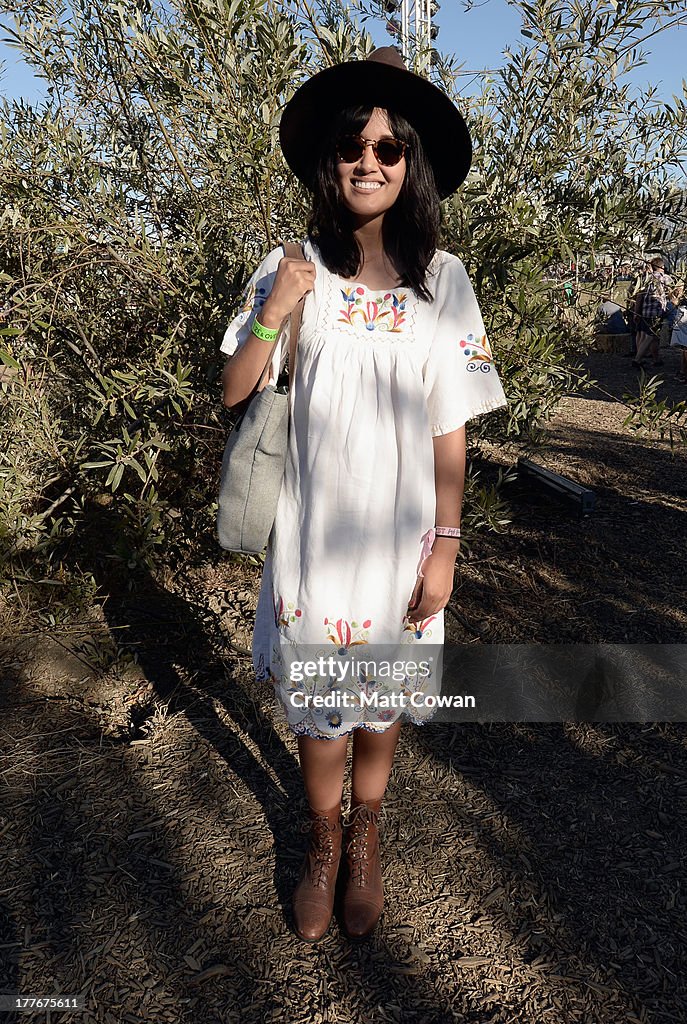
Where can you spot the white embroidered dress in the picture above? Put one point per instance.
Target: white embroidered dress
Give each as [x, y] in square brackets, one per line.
[378, 374]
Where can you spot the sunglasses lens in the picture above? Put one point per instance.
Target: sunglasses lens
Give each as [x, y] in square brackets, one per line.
[350, 149]
[389, 152]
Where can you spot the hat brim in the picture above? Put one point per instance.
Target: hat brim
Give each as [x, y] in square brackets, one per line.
[440, 125]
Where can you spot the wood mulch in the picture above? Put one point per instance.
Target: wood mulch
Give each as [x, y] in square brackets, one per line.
[150, 805]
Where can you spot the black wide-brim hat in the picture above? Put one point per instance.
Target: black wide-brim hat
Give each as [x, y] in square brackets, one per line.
[382, 80]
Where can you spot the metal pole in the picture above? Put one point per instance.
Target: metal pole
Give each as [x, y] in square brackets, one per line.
[416, 33]
[426, 37]
[417, 24]
[405, 31]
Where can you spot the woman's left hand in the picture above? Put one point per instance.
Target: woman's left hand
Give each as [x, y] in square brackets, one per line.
[434, 588]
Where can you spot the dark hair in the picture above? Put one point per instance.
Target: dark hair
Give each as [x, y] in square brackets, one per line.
[410, 229]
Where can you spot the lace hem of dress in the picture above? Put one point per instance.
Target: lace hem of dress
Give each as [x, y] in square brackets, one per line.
[302, 729]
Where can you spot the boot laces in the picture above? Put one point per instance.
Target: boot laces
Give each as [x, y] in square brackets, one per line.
[360, 819]
[321, 852]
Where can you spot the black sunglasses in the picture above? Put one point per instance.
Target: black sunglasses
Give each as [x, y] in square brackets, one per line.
[387, 152]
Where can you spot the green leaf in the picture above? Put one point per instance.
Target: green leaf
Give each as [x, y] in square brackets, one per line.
[9, 360]
[139, 469]
[117, 476]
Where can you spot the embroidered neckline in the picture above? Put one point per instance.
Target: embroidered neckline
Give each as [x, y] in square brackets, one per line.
[350, 285]
[386, 312]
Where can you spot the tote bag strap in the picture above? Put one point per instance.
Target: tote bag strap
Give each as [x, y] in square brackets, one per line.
[294, 251]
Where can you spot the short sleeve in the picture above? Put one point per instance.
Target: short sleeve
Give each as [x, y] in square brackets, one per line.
[460, 379]
[252, 301]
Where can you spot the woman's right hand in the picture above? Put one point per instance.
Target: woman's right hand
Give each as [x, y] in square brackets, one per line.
[295, 278]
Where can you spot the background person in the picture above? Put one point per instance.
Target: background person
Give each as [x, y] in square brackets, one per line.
[635, 293]
[651, 308]
[610, 317]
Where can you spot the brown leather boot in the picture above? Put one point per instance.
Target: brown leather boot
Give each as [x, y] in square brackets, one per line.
[313, 897]
[363, 898]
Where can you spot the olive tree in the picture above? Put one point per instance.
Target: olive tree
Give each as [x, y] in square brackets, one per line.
[141, 193]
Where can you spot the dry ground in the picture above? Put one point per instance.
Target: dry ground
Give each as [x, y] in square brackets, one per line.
[149, 807]
[618, 575]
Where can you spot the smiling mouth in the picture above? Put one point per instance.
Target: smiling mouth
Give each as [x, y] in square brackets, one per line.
[366, 186]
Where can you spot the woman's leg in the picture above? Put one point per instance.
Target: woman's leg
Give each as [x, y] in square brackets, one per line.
[373, 756]
[323, 763]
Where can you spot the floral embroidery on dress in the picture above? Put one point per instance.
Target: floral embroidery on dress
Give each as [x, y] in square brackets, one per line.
[418, 683]
[254, 299]
[290, 687]
[384, 313]
[347, 634]
[419, 629]
[334, 719]
[478, 353]
[285, 615]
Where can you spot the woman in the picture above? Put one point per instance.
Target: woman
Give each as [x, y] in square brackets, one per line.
[392, 360]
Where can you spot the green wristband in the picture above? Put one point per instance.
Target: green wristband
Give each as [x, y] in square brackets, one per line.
[264, 333]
